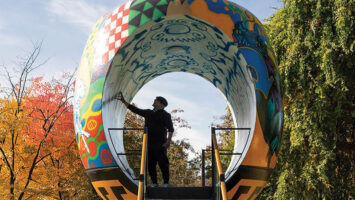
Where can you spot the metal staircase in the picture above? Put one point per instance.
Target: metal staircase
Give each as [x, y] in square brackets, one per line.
[216, 191]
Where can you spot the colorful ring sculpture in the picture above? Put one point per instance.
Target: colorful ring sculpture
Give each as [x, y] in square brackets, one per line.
[142, 39]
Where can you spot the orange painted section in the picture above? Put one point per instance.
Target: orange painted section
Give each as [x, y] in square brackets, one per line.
[107, 185]
[246, 182]
[257, 153]
[199, 8]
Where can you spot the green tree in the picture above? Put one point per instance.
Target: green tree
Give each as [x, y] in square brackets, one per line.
[314, 43]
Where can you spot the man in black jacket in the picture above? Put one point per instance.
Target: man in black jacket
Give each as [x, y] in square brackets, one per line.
[158, 123]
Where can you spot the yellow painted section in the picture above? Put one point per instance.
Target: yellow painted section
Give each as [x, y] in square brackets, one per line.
[257, 153]
[199, 8]
[89, 112]
[247, 182]
[107, 185]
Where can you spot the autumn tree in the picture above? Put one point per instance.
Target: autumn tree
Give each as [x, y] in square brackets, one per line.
[13, 119]
[51, 119]
[38, 155]
[314, 43]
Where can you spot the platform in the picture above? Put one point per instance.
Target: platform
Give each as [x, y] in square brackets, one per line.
[186, 193]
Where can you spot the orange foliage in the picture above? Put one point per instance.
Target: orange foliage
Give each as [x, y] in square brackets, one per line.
[47, 163]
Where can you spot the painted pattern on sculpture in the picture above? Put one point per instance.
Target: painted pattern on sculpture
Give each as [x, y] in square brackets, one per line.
[114, 28]
[108, 35]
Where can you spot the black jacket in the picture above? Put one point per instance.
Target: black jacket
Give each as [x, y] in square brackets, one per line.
[158, 123]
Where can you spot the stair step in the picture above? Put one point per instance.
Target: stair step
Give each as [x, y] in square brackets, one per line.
[187, 193]
[175, 199]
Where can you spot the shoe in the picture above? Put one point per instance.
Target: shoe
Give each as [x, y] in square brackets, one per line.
[154, 185]
[165, 185]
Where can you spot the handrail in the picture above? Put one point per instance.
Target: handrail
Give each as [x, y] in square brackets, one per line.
[124, 154]
[142, 173]
[235, 153]
[219, 165]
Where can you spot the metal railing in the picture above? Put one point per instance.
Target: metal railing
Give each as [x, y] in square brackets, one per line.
[131, 152]
[223, 152]
[203, 162]
[220, 186]
[219, 178]
[236, 153]
[143, 169]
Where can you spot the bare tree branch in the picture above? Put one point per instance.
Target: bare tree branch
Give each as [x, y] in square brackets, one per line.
[17, 91]
[43, 157]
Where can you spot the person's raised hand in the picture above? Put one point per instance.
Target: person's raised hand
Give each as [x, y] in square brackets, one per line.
[120, 97]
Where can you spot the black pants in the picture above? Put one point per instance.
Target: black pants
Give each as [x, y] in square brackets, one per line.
[158, 154]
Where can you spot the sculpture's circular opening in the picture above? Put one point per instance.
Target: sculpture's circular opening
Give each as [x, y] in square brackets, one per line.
[200, 101]
[195, 100]
[184, 44]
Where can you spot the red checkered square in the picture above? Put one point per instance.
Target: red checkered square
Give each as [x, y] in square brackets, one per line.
[115, 30]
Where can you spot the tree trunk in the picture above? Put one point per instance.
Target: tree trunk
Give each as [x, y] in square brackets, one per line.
[12, 176]
[33, 166]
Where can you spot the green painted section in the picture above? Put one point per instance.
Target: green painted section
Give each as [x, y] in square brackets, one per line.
[95, 88]
[93, 139]
[235, 9]
[138, 2]
[101, 128]
[147, 6]
[97, 151]
[144, 19]
[157, 14]
[162, 2]
[133, 14]
[131, 29]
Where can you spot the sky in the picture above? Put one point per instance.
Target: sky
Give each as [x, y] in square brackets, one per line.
[64, 26]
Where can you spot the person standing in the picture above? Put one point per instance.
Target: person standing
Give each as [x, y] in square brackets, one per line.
[160, 131]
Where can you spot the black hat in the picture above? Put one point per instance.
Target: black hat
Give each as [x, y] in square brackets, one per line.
[162, 100]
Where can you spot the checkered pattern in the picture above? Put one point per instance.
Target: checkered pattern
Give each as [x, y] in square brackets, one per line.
[113, 33]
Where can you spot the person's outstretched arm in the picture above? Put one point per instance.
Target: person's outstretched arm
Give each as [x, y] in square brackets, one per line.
[132, 107]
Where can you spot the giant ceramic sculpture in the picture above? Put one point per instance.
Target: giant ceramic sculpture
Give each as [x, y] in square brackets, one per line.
[142, 39]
